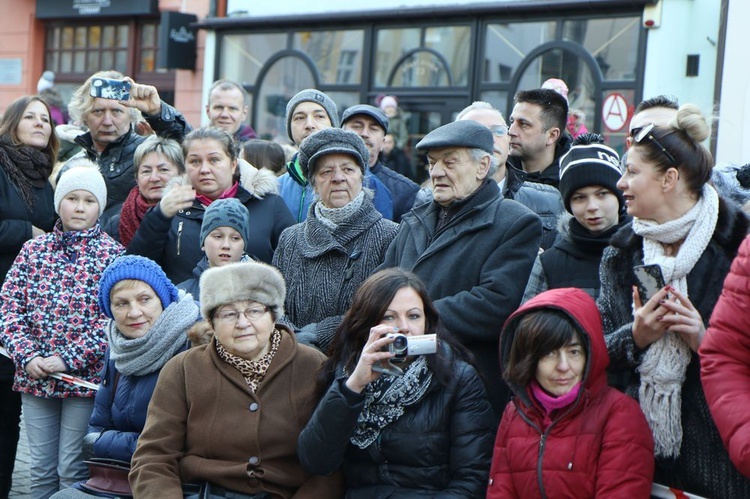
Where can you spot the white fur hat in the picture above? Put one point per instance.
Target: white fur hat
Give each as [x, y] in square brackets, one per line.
[252, 281]
[86, 178]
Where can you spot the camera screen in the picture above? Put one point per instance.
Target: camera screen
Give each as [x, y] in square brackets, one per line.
[110, 89]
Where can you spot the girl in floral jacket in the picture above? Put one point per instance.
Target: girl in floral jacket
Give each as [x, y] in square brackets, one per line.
[51, 323]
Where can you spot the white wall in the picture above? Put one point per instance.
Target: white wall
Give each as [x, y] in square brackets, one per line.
[687, 27]
[733, 143]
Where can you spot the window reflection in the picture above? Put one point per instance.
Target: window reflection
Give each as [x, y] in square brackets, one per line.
[337, 54]
[506, 45]
[439, 56]
[285, 78]
[612, 42]
[243, 56]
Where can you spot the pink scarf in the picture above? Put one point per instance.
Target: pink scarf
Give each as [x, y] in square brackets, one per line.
[229, 193]
[550, 403]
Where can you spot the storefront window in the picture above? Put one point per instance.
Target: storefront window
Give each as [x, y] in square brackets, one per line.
[439, 56]
[336, 54]
[506, 46]
[612, 42]
[243, 56]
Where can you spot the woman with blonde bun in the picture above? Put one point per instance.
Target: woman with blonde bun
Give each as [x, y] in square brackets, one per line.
[683, 226]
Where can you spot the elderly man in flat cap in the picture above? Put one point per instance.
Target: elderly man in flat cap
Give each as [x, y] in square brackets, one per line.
[473, 249]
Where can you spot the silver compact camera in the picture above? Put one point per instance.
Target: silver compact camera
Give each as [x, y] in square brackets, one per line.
[411, 345]
[402, 346]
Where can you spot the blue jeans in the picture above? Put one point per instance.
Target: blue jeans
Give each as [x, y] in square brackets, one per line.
[55, 429]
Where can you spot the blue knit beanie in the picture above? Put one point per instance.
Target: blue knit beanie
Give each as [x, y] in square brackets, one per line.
[137, 268]
[228, 212]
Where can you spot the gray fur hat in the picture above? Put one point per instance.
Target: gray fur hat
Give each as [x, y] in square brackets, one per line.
[331, 141]
[311, 95]
[229, 212]
[252, 281]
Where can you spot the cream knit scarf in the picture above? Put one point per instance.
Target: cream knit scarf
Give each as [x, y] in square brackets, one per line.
[664, 364]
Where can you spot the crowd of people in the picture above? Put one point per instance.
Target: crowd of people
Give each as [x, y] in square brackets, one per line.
[197, 313]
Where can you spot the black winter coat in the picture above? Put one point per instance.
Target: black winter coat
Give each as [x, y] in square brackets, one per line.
[15, 229]
[703, 466]
[439, 447]
[174, 243]
[403, 190]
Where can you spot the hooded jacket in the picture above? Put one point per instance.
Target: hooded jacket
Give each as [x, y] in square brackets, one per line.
[174, 243]
[599, 446]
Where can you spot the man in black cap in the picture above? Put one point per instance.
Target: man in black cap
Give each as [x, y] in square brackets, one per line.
[371, 124]
[473, 249]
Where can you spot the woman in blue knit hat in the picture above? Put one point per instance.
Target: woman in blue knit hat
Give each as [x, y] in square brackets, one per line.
[150, 319]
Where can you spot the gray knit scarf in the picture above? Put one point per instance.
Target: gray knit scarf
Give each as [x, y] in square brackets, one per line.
[386, 398]
[332, 217]
[664, 365]
[149, 353]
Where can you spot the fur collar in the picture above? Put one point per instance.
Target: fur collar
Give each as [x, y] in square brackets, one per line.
[258, 182]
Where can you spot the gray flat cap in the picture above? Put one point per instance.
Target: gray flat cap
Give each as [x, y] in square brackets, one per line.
[464, 133]
[371, 111]
[330, 141]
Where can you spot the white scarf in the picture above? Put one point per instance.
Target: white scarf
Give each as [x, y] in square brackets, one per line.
[664, 364]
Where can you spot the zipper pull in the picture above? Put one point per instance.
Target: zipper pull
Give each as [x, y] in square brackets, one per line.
[179, 236]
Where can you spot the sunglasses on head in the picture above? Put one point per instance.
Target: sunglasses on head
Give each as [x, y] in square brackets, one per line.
[645, 132]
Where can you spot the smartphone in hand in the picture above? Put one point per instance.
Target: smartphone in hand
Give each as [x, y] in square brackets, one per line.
[107, 88]
[649, 280]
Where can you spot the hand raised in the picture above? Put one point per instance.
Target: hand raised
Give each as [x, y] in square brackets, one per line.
[178, 197]
[372, 353]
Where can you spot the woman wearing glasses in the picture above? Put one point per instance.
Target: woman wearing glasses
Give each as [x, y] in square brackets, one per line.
[680, 224]
[225, 416]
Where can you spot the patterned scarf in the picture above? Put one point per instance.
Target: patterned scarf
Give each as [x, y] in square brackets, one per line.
[149, 353]
[26, 167]
[664, 365]
[386, 398]
[252, 370]
[133, 210]
[332, 217]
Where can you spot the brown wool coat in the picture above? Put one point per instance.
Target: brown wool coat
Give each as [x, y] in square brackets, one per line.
[203, 424]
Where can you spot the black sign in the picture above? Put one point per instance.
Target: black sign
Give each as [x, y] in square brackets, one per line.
[48, 9]
[177, 47]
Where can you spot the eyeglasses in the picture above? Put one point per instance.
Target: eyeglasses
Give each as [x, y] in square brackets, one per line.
[251, 314]
[499, 130]
[640, 134]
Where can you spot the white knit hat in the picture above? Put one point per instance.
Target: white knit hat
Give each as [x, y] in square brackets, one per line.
[85, 178]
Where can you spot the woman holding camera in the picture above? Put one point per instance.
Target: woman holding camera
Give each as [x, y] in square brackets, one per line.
[680, 224]
[426, 433]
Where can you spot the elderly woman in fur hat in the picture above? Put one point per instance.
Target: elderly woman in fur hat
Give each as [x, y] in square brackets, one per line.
[341, 242]
[169, 234]
[225, 416]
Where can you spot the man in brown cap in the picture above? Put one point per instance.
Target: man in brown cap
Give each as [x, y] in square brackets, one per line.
[473, 249]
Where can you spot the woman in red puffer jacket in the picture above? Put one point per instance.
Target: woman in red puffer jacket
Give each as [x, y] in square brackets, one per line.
[566, 433]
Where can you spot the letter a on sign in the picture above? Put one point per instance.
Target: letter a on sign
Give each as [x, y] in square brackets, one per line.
[615, 112]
